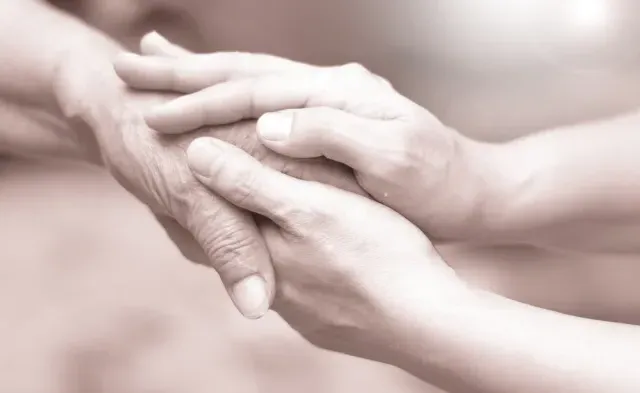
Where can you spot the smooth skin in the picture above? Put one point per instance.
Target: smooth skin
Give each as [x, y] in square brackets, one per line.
[356, 277]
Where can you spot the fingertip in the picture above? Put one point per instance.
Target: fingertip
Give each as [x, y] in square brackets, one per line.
[234, 247]
[166, 119]
[252, 297]
[278, 132]
[203, 154]
[125, 62]
[131, 68]
[149, 43]
[154, 44]
[275, 126]
[155, 120]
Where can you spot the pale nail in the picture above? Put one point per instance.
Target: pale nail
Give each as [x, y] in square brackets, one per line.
[275, 126]
[250, 297]
[202, 155]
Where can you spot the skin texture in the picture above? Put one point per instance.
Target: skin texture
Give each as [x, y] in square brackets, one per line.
[631, 363]
[104, 126]
[359, 254]
[335, 295]
[371, 285]
[89, 107]
[153, 168]
[553, 189]
[402, 155]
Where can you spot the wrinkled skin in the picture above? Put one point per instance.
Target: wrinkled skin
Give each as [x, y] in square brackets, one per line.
[363, 262]
[402, 155]
[153, 168]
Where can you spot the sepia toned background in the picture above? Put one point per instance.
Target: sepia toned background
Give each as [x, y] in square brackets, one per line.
[93, 296]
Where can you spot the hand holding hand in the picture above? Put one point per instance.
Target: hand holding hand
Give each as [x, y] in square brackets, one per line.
[153, 167]
[346, 265]
[401, 154]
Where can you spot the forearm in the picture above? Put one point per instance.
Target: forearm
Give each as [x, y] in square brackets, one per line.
[30, 106]
[595, 285]
[34, 38]
[31, 132]
[574, 187]
[488, 344]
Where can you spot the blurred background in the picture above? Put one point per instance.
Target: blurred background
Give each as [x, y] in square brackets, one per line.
[113, 307]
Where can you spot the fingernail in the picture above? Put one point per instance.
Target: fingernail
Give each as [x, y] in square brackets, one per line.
[275, 126]
[250, 297]
[202, 155]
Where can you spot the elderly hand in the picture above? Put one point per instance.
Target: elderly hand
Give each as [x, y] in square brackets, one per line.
[402, 155]
[345, 264]
[153, 167]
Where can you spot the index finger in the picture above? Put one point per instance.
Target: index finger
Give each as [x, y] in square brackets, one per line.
[193, 72]
[227, 103]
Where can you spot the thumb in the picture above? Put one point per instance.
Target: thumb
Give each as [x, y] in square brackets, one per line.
[316, 132]
[234, 247]
[182, 239]
[245, 182]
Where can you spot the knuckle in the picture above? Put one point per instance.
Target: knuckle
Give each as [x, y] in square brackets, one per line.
[358, 82]
[384, 82]
[251, 86]
[320, 206]
[229, 249]
[146, 168]
[355, 69]
[245, 186]
[226, 242]
[353, 74]
[176, 196]
[170, 181]
[294, 168]
[402, 158]
[356, 74]
[302, 214]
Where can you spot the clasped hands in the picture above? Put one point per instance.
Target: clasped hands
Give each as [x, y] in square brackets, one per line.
[342, 175]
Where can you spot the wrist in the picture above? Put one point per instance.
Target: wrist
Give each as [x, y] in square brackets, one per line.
[508, 210]
[493, 180]
[423, 303]
[444, 342]
[472, 185]
[87, 91]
